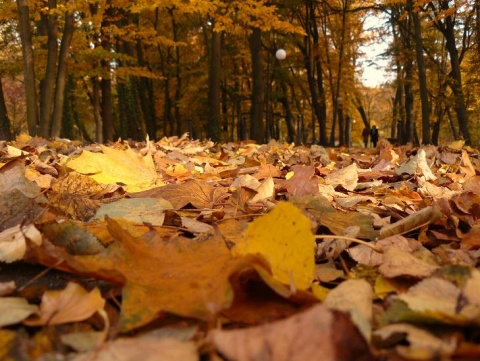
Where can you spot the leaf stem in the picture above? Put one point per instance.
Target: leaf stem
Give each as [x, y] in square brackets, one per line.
[351, 239]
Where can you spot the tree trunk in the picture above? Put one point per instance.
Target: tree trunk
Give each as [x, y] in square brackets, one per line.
[448, 30]
[28, 66]
[214, 87]
[97, 114]
[62, 73]
[5, 132]
[318, 99]
[47, 85]
[106, 106]
[257, 101]
[422, 75]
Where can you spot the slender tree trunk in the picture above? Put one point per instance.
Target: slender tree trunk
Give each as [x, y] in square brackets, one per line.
[214, 87]
[28, 66]
[96, 101]
[288, 111]
[107, 107]
[62, 73]
[456, 74]
[178, 76]
[320, 106]
[5, 132]
[257, 102]
[47, 85]
[422, 74]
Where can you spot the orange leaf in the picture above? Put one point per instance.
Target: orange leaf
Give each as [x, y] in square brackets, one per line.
[69, 305]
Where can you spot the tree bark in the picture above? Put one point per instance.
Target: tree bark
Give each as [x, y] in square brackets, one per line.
[47, 85]
[422, 74]
[257, 102]
[447, 27]
[28, 66]
[5, 132]
[214, 87]
[62, 73]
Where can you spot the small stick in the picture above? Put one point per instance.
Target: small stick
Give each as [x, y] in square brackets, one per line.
[351, 239]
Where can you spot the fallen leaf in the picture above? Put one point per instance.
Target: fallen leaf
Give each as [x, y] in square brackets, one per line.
[199, 194]
[149, 211]
[418, 164]
[78, 195]
[87, 341]
[435, 298]
[325, 335]
[346, 177]
[421, 344]
[119, 167]
[13, 242]
[145, 348]
[302, 182]
[68, 305]
[397, 262]
[20, 198]
[284, 238]
[14, 310]
[356, 298]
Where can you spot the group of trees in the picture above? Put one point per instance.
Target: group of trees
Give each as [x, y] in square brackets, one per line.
[102, 69]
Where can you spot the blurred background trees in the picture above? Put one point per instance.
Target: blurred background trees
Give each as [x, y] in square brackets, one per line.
[104, 69]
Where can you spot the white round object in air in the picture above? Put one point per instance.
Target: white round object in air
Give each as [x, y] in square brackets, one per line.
[281, 54]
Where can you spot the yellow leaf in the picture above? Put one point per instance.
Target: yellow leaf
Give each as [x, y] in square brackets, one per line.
[115, 166]
[283, 237]
[69, 305]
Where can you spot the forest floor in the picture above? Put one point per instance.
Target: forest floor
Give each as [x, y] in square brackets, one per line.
[189, 250]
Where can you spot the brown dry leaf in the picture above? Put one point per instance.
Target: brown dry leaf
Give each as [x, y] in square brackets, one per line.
[118, 167]
[265, 191]
[198, 194]
[367, 256]
[146, 348]
[436, 298]
[471, 240]
[324, 336]
[78, 195]
[187, 277]
[19, 197]
[356, 298]
[335, 220]
[397, 262]
[421, 344]
[346, 177]
[72, 304]
[303, 181]
[266, 171]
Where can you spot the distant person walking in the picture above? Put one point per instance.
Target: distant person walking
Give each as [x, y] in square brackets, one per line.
[374, 136]
[365, 135]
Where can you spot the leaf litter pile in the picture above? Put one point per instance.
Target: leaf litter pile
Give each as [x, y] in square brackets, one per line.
[189, 250]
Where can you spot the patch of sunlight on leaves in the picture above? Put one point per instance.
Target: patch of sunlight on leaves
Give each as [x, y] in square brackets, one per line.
[284, 238]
